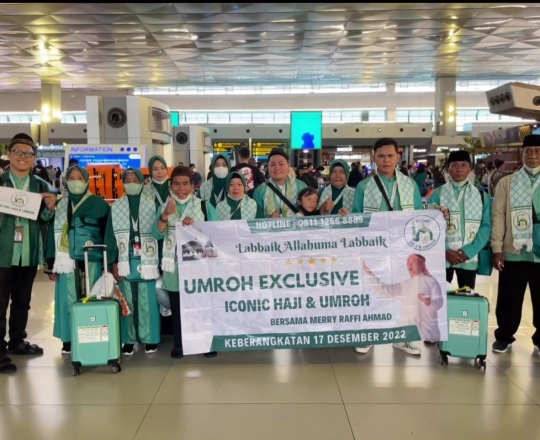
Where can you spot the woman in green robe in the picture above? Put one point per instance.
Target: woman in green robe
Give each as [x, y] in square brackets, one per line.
[338, 197]
[80, 219]
[237, 205]
[213, 190]
[133, 254]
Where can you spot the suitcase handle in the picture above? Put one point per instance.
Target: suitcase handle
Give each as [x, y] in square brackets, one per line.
[86, 249]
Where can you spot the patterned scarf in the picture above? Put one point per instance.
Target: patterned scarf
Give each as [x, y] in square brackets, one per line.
[473, 210]
[247, 207]
[194, 211]
[405, 187]
[271, 201]
[347, 194]
[121, 218]
[521, 197]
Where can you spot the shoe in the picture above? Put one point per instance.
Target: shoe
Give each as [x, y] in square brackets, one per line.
[210, 354]
[66, 348]
[150, 348]
[500, 347]
[408, 348]
[363, 349]
[177, 353]
[128, 349]
[430, 343]
[26, 349]
[7, 366]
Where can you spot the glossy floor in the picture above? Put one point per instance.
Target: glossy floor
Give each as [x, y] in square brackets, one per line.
[289, 394]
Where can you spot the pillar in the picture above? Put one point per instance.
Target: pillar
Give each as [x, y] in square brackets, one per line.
[391, 106]
[445, 106]
[51, 108]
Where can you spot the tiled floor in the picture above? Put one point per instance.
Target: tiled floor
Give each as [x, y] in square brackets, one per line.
[322, 394]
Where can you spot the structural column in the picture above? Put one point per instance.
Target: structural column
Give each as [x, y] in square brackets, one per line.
[391, 106]
[51, 108]
[445, 106]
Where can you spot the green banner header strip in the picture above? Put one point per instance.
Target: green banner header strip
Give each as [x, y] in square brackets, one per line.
[345, 338]
[352, 221]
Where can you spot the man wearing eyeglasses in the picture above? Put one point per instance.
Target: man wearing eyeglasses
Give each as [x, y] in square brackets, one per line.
[514, 240]
[21, 252]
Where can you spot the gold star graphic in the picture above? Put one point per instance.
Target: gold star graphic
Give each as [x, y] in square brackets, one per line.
[300, 261]
[333, 259]
[312, 261]
[323, 260]
[289, 262]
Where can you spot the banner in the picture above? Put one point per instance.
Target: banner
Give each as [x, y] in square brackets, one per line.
[310, 282]
[20, 203]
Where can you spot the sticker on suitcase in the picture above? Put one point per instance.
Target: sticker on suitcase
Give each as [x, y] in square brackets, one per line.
[464, 327]
[93, 334]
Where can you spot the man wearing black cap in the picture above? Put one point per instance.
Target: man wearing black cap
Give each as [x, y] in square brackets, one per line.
[21, 252]
[514, 241]
[306, 177]
[279, 195]
[468, 216]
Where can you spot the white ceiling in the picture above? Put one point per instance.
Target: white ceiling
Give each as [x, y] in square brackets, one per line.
[125, 45]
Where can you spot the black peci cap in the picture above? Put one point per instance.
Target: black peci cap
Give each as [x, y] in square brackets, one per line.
[278, 152]
[459, 156]
[532, 140]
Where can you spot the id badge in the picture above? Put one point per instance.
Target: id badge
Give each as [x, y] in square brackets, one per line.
[136, 249]
[19, 234]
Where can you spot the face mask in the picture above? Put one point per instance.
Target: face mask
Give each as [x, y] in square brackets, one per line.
[533, 171]
[133, 189]
[460, 184]
[159, 182]
[236, 199]
[76, 187]
[178, 200]
[221, 172]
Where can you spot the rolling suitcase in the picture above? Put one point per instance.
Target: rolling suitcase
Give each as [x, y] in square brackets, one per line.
[467, 328]
[95, 326]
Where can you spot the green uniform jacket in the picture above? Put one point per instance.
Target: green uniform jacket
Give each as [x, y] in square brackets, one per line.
[484, 231]
[7, 224]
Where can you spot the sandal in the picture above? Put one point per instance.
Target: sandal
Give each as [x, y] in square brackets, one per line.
[26, 349]
[7, 366]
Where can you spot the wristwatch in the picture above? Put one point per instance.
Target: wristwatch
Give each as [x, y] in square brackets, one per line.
[460, 252]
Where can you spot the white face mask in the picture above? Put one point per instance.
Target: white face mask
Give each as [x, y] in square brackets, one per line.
[159, 182]
[236, 199]
[460, 184]
[133, 189]
[178, 200]
[76, 187]
[221, 172]
[533, 171]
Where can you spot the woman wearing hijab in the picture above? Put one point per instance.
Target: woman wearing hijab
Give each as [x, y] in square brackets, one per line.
[213, 190]
[81, 217]
[133, 254]
[237, 205]
[337, 198]
[159, 186]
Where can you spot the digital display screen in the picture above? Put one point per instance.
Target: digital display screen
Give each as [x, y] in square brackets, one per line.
[125, 160]
[535, 130]
[306, 130]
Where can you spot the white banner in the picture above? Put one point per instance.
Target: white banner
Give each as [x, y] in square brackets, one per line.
[312, 281]
[19, 203]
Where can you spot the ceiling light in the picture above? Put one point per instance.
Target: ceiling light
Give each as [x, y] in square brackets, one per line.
[453, 17]
[194, 37]
[451, 119]
[286, 20]
[451, 109]
[498, 21]
[509, 6]
[451, 33]
[485, 28]
[388, 38]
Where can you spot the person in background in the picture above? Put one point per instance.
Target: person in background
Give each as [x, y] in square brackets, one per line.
[429, 171]
[80, 217]
[252, 162]
[365, 173]
[197, 178]
[251, 173]
[468, 214]
[355, 177]
[213, 190]
[270, 205]
[51, 173]
[387, 190]
[308, 199]
[516, 203]
[403, 169]
[136, 266]
[337, 198]
[21, 252]
[40, 171]
[438, 177]
[182, 207]
[411, 170]
[71, 163]
[480, 170]
[237, 205]
[209, 175]
[304, 176]
[180, 164]
[496, 175]
[420, 176]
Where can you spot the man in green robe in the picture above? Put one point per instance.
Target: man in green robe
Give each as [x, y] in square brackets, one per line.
[21, 252]
[133, 255]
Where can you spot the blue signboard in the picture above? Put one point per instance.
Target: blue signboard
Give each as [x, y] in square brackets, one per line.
[125, 160]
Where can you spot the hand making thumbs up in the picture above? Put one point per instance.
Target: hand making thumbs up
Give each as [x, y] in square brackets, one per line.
[327, 206]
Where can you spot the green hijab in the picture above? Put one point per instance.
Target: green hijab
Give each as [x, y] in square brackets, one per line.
[161, 188]
[337, 191]
[134, 201]
[93, 207]
[218, 184]
[234, 203]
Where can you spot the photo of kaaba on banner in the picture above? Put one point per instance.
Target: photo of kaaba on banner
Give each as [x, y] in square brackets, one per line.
[192, 250]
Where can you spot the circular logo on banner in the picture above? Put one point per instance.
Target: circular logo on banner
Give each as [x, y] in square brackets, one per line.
[19, 199]
[522, 221]
[422, 232]
[149, 249]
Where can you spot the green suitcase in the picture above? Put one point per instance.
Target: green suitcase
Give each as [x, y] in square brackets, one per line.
[468, 316]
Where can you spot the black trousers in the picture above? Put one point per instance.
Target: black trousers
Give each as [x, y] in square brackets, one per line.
[176, 319]
[16, 285]
[465, 277]
[513, 282]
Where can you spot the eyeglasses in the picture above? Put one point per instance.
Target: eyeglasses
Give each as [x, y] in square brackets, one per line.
[27, 154]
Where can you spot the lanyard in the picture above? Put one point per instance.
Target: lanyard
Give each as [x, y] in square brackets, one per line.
[394, 191]
[341, 196]
[186, 210]
[26, 185]
[77, 206]
[237, 208]
[461, 194]
[161, 203]
[536, 183]
[219, 196]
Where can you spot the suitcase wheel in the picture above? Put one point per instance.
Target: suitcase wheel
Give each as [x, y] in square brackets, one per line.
[76, 371]
[116, 368]
[480, 363]
[444, 359]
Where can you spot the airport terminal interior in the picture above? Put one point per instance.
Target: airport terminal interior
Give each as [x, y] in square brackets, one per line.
[113, 84]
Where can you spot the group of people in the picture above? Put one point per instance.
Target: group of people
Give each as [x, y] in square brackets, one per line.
[139, 231]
